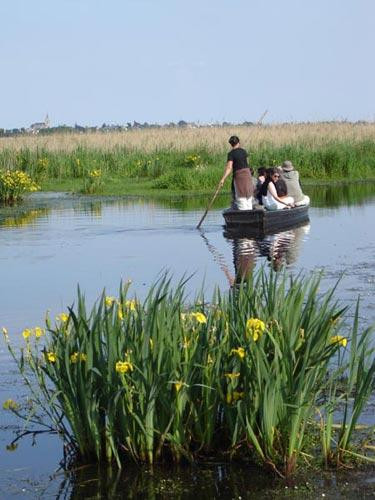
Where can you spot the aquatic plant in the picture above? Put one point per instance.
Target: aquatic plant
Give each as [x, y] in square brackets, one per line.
[14, 184]
[167, 379]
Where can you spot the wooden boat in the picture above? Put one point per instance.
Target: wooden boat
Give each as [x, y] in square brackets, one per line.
[266, 221]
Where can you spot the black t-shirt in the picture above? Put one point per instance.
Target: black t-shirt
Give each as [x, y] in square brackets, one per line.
[239, 158]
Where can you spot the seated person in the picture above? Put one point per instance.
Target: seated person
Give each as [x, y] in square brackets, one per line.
[270, 198]
[291, 178]
[262, 171]
[280, 184]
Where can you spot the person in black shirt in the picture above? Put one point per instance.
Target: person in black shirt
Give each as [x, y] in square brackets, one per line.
[242, 185]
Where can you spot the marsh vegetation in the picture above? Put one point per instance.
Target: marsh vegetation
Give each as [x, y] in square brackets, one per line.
[257, 374]
[178, 160]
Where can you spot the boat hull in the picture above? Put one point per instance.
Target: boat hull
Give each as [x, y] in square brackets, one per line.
[266, 221]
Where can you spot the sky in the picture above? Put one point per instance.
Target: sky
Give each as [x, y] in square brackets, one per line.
[93, 61]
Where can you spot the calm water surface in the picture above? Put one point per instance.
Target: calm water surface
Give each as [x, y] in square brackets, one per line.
[53, 242]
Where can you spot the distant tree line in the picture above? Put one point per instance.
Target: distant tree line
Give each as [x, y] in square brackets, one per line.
[111, 127]
[134, 126]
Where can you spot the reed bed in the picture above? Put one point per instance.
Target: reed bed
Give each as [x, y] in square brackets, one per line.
[213, 139]
[252, 374]
[189, 159]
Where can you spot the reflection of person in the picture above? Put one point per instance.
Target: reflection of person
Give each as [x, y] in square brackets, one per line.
[242, 186]
[244, 256]
[293, 249]
[291, 178]
[283, 248]
[270, 198]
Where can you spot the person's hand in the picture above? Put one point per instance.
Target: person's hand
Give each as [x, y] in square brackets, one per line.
[221, 183]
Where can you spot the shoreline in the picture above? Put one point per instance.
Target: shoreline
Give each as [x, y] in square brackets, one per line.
[141, 190]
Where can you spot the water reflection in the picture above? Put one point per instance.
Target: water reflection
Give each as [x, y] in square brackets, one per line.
[22, 217]
[200, 481]
[321, 195]
[336, 195]
[279, 249]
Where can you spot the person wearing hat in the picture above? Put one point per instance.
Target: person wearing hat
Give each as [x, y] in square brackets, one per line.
[242, 185]
[293, 185]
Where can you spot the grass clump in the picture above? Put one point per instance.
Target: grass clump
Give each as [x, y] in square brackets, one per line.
[243, 375]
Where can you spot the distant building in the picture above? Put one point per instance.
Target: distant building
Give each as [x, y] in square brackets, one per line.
[35, 127]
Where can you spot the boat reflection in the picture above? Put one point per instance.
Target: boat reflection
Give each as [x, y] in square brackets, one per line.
[280, 249]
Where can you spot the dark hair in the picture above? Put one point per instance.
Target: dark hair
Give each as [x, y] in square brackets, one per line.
[262, 171]
[269, 173]
[233, 140]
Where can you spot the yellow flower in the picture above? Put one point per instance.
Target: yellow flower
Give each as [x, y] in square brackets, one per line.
[255, 328]
[200, 317]
[26, 333]
[178, 385]
[63, 317]
[109, 301]
[78, 356]
[131, 304]
[209, 359]
[39, 332]
[51, 357]
[240, 352]
[124, 367]
[232, 376]
[339, 339]
[120, 314]
[9, 404]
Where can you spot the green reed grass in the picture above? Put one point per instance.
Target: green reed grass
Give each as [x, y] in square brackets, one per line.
[190, 169]
[167, 379]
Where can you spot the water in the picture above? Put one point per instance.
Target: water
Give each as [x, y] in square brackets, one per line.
[53, 242]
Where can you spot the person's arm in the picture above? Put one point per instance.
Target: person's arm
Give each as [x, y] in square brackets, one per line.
[272, 190]
[227, 172]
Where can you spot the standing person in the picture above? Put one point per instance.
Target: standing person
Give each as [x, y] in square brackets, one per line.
[242, 185]
[291, 178]
[270, 198]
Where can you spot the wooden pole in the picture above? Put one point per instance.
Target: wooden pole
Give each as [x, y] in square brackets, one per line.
[209, 206]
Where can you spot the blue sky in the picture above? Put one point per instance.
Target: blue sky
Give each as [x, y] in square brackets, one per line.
[113, 61]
